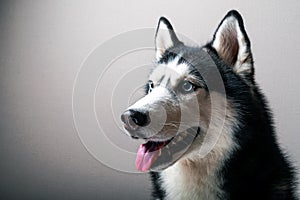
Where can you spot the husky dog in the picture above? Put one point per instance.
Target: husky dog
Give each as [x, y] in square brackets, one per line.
[208, 129]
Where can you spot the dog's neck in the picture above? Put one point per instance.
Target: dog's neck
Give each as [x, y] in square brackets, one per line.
[197, 175]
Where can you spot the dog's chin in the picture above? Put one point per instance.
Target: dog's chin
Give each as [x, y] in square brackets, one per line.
[158, 155]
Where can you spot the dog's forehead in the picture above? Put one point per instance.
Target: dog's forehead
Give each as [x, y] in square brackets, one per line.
[171, 72]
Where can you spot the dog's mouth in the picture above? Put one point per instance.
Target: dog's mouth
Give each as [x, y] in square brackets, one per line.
[148, 153]
[157, 155]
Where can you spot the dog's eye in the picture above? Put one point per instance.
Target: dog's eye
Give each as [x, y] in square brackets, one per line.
[150, 86]
[187, 87]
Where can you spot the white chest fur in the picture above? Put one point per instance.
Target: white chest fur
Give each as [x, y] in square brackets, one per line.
[191, 180]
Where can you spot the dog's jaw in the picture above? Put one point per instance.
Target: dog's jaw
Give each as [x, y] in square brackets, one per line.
[148, 153]
[158, 155]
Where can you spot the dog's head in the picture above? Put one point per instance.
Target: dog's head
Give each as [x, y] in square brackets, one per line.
[185, 95]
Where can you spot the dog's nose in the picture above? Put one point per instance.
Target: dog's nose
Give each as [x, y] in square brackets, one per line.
[133, 119]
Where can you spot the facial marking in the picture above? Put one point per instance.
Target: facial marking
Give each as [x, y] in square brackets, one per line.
[172, 73]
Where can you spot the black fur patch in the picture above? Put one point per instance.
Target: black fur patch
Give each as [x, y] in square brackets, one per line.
[157, 191]
[259, 169]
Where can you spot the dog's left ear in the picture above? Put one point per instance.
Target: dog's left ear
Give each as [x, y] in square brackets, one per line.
[165, 37]
[233, 46]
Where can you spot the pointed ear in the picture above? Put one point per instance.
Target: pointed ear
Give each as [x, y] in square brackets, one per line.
[233, 46]
[165, 37]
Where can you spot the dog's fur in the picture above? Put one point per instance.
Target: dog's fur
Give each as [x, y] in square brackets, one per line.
[233, 153]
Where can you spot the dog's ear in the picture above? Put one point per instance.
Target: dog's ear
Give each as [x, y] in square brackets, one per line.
[165, 37]
[233, 46]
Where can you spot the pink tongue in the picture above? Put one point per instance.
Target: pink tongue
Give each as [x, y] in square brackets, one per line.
[145, 159]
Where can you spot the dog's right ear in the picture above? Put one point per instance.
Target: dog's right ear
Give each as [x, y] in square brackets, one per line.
[165, 37]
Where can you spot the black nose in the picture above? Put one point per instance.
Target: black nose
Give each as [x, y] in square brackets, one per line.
[134, 118]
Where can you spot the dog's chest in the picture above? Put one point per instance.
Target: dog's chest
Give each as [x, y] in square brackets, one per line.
[183, 181]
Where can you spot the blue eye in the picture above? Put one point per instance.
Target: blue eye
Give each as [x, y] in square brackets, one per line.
[187, 87]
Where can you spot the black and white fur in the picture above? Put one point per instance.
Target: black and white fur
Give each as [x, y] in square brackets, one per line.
[246, 161]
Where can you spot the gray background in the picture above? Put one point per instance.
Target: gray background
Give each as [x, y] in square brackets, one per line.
[43, 44]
